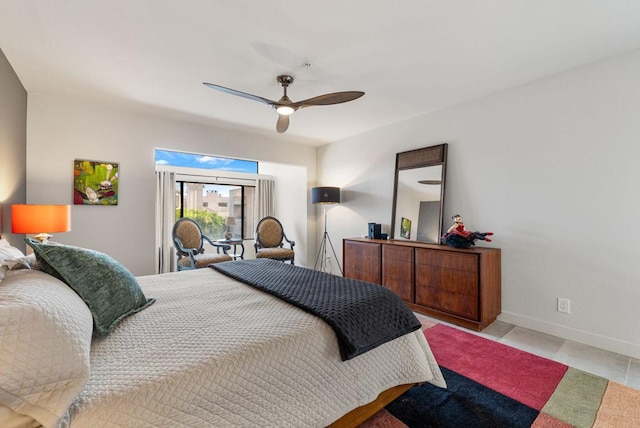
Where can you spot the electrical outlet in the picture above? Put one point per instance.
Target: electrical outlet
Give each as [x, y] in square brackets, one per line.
[564, 305]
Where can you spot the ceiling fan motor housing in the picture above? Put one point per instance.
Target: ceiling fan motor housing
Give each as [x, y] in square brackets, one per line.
[284, 80]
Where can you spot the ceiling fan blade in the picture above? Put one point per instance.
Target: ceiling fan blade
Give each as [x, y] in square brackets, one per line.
[283, 123]
[240, 94]
[329, 99]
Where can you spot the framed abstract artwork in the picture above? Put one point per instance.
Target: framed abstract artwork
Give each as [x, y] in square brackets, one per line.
[405, 228]
[95, 183]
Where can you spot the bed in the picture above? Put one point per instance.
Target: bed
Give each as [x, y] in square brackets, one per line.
[210, 351]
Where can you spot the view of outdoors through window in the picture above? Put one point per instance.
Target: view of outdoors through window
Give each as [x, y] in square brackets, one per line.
[217, 208]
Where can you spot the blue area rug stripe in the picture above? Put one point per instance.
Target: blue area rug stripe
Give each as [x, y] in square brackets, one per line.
[465, 403]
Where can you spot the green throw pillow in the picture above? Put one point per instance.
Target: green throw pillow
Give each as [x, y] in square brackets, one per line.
[110, 291]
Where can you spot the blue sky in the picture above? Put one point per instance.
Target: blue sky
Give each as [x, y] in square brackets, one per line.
[190, 160]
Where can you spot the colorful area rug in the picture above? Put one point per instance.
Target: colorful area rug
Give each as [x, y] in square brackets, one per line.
[493, 385]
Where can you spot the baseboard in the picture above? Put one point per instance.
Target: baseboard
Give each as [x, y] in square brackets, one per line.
[581, 336]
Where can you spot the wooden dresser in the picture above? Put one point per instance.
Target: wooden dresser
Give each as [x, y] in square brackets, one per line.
[460, 286]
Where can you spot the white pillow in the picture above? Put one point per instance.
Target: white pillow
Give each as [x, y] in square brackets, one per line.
[45, 337]
[3, 270]
[8, 252]
[24, 262]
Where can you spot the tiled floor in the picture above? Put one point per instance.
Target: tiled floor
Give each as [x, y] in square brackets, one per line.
[616, 367]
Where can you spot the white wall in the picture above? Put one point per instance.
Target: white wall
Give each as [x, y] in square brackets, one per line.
[552, 169]
[291, 184]
[59, 131]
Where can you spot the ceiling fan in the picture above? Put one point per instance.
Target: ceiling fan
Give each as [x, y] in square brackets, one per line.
[284, 106]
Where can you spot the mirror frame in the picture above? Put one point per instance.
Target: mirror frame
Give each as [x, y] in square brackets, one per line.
[427, 156]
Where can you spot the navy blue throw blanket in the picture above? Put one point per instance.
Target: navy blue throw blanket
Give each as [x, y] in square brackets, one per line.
[363, 315]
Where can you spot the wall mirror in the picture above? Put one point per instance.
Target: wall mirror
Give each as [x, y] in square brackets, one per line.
[418, 194]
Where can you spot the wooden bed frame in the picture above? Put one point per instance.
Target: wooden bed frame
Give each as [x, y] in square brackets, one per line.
[362, 413]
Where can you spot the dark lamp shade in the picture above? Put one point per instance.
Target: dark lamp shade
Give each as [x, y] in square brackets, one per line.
[325, 195]
[40, 218]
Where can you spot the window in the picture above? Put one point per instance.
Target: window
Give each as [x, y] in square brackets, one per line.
[210, 199]
[211, 204]
[192, 160]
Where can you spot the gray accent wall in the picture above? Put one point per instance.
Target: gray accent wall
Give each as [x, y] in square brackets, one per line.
[13, 147]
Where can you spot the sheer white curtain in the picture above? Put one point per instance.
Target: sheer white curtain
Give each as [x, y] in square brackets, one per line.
[265, 198]
[165, 218]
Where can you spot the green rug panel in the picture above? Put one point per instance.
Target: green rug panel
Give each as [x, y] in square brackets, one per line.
[577, 398]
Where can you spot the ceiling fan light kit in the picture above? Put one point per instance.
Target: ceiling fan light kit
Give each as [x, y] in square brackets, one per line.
[286, 110]
[284, 106]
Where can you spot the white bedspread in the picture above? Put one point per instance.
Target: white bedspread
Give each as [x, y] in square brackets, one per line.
[213, 352]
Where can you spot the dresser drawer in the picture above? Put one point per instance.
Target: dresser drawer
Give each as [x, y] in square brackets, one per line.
[449, 290]
[362, 261]
[397, 270]
[447, 260]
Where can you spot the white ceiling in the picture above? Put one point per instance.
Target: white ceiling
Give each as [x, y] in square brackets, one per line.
[409, 56]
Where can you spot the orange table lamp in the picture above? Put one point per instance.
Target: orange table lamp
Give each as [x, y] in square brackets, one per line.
[40, 219]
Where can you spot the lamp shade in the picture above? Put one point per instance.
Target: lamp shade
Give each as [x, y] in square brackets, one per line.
[40, 218]
[230, 221]
[325, 195]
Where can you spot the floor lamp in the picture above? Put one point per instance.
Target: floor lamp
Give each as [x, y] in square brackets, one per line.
[325, 196]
